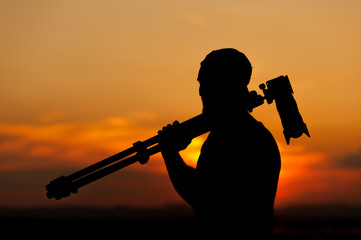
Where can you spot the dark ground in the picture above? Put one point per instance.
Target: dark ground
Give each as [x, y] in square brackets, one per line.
[170, 222]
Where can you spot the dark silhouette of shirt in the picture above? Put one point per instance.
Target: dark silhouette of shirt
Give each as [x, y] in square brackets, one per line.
[236, 179]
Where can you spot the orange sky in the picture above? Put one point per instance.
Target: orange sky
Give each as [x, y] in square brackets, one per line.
[82, 80]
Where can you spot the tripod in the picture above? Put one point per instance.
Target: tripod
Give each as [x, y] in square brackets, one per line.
[278, 89]
[140, 152]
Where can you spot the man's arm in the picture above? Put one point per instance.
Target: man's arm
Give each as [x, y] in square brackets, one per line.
[181, 175]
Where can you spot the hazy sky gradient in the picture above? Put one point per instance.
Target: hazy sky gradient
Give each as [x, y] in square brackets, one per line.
[81, 80]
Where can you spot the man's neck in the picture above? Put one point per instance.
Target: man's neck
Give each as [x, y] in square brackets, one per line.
[223, 119]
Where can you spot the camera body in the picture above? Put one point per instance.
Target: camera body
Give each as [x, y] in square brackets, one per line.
[280, 90]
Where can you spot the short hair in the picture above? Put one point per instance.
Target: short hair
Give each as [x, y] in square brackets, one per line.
[227, 65]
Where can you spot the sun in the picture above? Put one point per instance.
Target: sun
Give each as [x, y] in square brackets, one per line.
[191, 154]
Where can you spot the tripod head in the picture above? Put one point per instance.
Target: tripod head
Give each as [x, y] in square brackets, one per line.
[280, 90]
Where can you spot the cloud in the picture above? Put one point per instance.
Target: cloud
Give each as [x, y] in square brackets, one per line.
[31, 155]
[24, 146]
[350, 161]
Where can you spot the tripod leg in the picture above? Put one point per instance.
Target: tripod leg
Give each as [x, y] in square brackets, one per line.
[104, 172]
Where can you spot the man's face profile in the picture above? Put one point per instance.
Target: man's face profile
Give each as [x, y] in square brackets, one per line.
[223, 76]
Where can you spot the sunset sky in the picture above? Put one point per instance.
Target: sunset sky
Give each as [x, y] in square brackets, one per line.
[82, 80]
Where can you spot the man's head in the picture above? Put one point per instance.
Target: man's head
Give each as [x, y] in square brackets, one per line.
[223, 77]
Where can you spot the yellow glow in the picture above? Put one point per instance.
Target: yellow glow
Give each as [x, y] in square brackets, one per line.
[191, 154]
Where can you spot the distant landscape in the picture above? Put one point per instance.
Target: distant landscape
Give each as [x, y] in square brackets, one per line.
[297, 222]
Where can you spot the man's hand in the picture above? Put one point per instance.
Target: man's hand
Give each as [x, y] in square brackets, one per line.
[171, 138]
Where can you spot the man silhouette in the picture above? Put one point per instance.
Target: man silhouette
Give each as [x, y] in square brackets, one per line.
[233, 187]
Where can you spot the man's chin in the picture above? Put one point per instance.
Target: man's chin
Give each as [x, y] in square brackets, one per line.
[211, 116]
